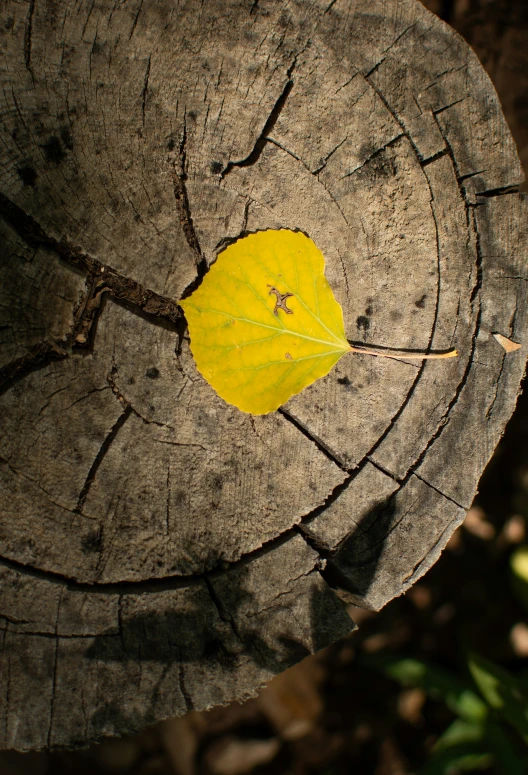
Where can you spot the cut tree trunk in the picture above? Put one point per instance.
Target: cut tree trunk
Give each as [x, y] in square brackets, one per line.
[161, 550]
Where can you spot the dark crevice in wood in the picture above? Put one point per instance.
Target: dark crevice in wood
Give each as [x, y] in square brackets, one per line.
[13, 620]
[224, 616]
[329, 500]
[478, 283]
[393, 114]
[386, 51]
[434, 157]
[56, 637]
[144, 92]
[105, 446]
[339, 582]
[330, 6]
[458, 176]
[168, 583]
[489, 410]
[438, 264]
[313, 542]
[119, 286]
[111, 587]
[136, 17]
[151, 585]
[255, 154]
[184, 213]
[447, 497]
[502, 191]
[318, 443]
[450, 105]
[27, 36]
[376, 153]
[384, 471]
[328, 156]
[183, 689]
[290, 153]
[37, 357]
[469, 175]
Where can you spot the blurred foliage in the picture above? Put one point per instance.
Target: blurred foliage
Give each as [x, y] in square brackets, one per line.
[480, 736]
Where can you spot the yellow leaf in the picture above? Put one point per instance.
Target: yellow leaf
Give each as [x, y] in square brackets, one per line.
[264, 323]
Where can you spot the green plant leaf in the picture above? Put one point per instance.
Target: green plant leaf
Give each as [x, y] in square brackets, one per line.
[264, 323]
[438, 683]
[462, 747]
[505, 754]
[501, 691]
[519, 570]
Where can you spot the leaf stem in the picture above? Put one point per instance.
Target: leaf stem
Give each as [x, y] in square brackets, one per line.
[403, 356]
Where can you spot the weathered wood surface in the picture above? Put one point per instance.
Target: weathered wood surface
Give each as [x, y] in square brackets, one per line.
[160, 550]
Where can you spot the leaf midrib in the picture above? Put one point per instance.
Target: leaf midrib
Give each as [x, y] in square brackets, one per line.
[274, 328]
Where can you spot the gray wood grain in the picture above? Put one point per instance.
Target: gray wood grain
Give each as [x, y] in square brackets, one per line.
[159, 549]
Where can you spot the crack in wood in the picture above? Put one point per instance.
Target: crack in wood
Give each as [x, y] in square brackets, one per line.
[478, 282]
[179, 178]
[450, 105]
[386, 51]
[376, 153]
[136, 17]
[256, 152]
[183, 689]
[328, 453]
[38, 356]
[144, 92]
[502, 191]
[330, 6]
[284, 593]
[329, 500]
[434, 157]
[224, 616]
[118, 285]
[105, 446]
[443, 494]
[28, 35]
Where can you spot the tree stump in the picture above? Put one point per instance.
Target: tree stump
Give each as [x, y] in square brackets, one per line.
[161, 550]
